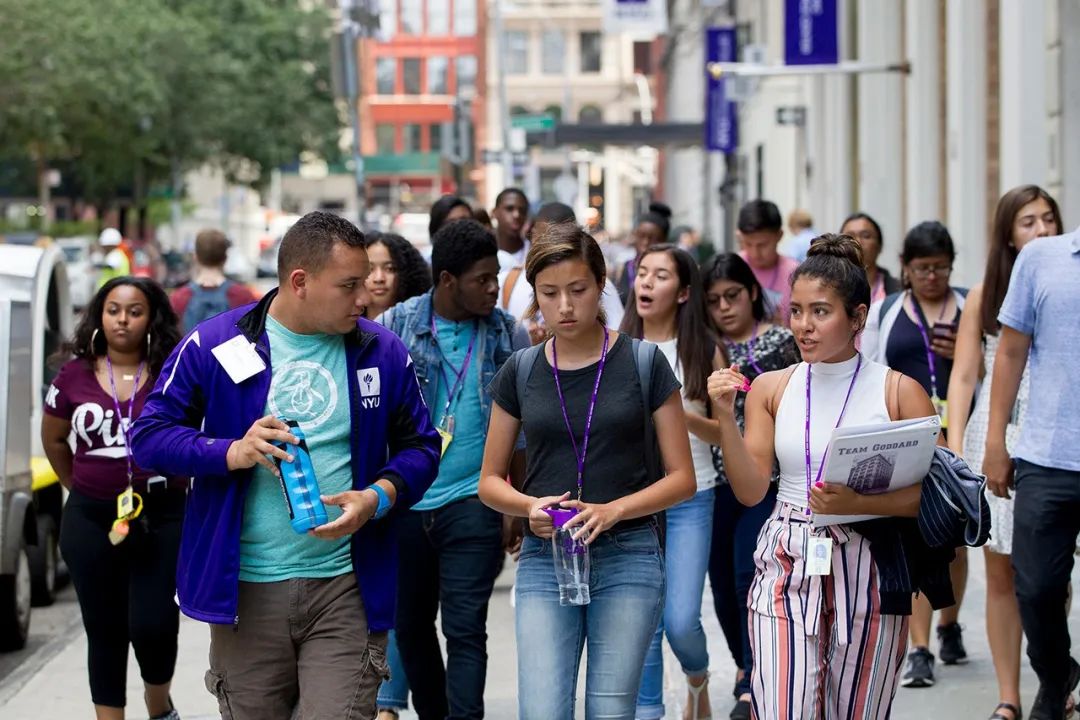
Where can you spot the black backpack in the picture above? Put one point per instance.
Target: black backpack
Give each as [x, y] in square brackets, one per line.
[205, 303]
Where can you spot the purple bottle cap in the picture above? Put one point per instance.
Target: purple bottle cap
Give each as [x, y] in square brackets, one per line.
[560, 516]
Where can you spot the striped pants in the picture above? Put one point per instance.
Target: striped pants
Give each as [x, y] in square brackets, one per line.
[822, 648]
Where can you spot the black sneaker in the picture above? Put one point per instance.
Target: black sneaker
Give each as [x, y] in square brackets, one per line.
[1051, 705]
[920, 669]
[952, 650]
[741, 711]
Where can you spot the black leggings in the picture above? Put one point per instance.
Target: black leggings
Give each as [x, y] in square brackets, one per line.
[125, 591]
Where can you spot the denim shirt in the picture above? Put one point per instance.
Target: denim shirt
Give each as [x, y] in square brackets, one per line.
[499, 335]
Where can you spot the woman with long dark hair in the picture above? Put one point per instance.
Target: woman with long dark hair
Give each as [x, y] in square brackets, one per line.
[398, 272]
[667, 307]
[123, 568]
[736, 306]
[1024, 214]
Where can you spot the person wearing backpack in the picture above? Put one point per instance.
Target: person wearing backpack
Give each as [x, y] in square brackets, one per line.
[595, 446]
[209, 293]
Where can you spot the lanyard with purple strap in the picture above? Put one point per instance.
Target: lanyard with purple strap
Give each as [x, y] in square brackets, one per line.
[126, 507]
[580, 455]
[809, 461]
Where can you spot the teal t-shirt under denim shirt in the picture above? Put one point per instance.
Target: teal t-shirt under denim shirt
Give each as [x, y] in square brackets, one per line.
[309, 385]
[459, 470]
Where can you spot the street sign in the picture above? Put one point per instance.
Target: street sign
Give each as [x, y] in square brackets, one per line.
[493, 157]
[542, 122]
[791, 115]
[641, 18]
[811, 32]
[721, 113]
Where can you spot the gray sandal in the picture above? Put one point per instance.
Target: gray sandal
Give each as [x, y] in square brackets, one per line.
[1017, 713]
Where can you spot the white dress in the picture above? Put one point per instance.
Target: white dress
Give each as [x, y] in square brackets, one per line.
[1001, 509]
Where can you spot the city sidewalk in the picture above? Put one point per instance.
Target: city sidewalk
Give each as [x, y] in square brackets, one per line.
[52, 682]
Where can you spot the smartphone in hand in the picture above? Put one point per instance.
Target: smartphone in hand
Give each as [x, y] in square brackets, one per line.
[944, 330]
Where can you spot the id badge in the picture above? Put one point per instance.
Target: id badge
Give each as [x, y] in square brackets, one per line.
[445, 428]
[819, 556]
[239, 359]
[942, 408]
[125, 503]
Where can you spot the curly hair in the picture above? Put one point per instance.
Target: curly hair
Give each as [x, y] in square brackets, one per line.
[414, 275]
[163, 328]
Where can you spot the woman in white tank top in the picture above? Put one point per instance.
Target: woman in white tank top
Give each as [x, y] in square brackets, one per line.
[667, 306]
[820, 640]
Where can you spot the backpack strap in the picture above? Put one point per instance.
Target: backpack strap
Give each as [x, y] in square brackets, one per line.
[525, 360]
[644, 357]
[508, 285]
[892, 394]
[888, 302]
[778, 391]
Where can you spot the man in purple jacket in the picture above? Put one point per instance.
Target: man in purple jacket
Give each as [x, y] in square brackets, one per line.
[296, 619]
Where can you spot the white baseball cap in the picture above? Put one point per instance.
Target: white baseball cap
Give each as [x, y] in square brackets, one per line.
[110, 237]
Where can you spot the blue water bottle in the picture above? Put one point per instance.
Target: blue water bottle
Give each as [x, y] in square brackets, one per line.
[299, 484]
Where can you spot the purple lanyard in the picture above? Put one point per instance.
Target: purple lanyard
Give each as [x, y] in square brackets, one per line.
[809, 376]
[750, 352]
[459, 375]
[920, 322]
[580, 456]
[125, 429]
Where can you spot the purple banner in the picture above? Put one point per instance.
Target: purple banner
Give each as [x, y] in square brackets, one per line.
[810, 32]
[721, 113]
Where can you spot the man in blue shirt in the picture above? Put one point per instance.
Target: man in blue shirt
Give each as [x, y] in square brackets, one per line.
[297, 620]
[1040, 327]
[452, 544]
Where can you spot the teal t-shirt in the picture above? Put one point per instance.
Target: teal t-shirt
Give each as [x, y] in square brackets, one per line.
[310, 385]
[459, 471]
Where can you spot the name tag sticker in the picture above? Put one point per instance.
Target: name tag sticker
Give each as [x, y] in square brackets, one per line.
[819, 556]
[239, 359]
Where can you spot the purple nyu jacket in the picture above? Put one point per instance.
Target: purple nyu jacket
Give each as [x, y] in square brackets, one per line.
[196, 411]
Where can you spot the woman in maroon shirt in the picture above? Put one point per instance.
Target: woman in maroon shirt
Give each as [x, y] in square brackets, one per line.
[125, 582]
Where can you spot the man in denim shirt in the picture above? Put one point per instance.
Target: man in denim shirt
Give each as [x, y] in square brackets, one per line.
[451, 544]
[1040, 326]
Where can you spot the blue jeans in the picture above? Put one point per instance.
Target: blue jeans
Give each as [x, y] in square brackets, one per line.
[689, 534]
[626, 587]
[394, 693]
[731, 569]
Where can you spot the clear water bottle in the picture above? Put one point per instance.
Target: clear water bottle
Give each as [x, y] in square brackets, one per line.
[298, 482]
[571, 559]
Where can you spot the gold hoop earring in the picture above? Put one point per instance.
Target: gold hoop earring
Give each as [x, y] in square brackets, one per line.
[93, 342]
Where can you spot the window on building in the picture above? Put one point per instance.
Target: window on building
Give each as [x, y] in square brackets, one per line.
[519, 110]
[642, 57]
[410, 137]
[438, 17]
[591, 52]
[552, 52]
[412, 17]
[384, 139]
[437, 67]
[435, 137]
[554, 111]
[591, 115]
[388, 19]
[411, 75]
[385, 76]
[465, 65]
[464, 18]
[517, 52]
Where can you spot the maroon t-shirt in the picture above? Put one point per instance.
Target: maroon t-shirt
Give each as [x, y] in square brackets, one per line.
[99, 468]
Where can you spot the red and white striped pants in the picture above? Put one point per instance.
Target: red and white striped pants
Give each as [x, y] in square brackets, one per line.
[822, 648]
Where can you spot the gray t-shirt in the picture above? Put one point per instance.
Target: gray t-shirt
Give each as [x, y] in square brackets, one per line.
[615, 466]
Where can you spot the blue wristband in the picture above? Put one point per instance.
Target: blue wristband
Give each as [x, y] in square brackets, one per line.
[384, 501]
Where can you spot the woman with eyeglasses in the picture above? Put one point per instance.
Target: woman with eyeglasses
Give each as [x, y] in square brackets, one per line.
[867, 232]
[914, 331]
[736, 306]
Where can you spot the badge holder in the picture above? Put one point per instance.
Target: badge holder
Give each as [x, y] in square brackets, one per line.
[942, 409]
[445, 428]
[129, 505]
[819, 555]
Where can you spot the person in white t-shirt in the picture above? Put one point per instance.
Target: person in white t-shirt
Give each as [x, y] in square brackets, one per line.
[510, 213]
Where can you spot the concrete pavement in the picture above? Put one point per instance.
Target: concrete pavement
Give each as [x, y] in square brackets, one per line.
[51, 682]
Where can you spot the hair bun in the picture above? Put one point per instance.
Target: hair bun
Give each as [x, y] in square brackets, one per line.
[838, 246]
[661, 209]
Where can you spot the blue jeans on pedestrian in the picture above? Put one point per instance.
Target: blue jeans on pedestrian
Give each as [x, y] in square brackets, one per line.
[731, 569]
[394, 693]
[689, 534]
[626, 588]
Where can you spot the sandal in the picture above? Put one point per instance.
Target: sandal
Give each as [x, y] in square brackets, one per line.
[1017, 713]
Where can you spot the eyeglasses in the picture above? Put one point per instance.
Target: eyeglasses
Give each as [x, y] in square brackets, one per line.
[730, 297]
[924, 271]
[864, 235]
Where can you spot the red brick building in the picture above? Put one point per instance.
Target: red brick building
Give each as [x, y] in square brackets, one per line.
[428, 56]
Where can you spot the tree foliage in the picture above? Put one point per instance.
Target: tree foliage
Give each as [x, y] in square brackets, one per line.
[125, 91]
